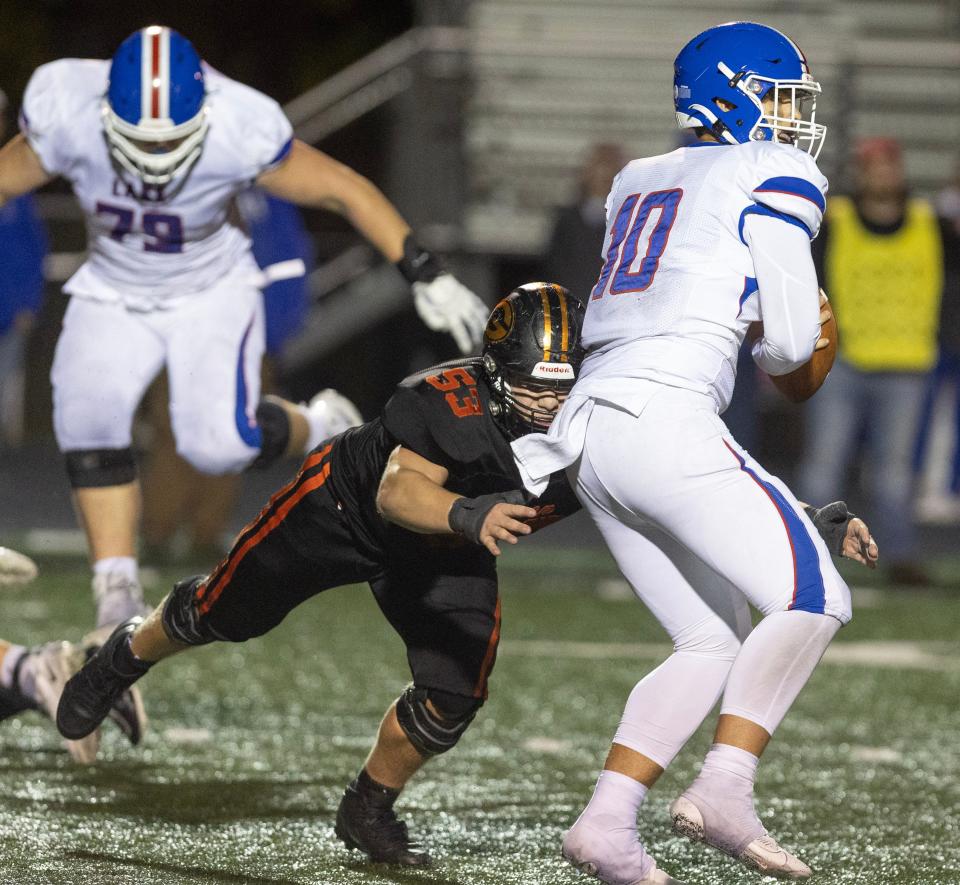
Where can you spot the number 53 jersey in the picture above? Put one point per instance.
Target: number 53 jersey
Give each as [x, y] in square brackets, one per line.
[149, 246]
[443, 415]
[677, 289]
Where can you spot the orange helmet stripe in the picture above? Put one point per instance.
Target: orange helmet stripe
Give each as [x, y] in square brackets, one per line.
[564, 323]
[547, 324]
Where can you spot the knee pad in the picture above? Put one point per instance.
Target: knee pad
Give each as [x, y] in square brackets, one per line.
[429, 733]
[180, 618]
[274, 426]
[96, 468]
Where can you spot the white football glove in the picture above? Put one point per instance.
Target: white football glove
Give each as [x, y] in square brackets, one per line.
[15, 568]
[446, 305]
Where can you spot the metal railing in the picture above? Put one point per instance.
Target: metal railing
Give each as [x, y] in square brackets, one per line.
[368, 83]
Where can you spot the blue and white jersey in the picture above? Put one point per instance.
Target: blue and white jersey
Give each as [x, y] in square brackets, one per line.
[677, 290]
[151, 247]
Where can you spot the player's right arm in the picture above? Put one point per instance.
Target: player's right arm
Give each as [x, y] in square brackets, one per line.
[787, 200]
[20, 169]
[411, 494]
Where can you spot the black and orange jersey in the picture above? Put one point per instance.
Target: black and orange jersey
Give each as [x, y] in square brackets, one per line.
[442, 414]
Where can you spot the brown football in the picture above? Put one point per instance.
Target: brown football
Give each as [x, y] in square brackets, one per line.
[800, 384]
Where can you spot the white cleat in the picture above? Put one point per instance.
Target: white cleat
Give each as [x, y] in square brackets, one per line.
[15, 568]
[328, 414]
[615, 856]
[54, 664]
[761, 852]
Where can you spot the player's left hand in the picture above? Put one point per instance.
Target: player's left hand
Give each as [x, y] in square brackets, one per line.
[446, 305]
[845, 534]
[859, 545]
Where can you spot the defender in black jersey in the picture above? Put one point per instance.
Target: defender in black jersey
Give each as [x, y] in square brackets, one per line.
[416, 503]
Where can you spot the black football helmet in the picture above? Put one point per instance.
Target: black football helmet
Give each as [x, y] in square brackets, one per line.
[532, 341]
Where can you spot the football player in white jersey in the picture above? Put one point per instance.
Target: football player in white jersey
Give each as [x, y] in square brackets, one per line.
[701, 242]
[156, 145]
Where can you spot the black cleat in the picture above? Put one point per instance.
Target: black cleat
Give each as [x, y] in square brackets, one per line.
[92, 692]
[368, 822]
[127, 712]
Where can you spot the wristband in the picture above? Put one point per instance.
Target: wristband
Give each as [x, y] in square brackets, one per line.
[467, 514]
[417, 264]
[831, 522]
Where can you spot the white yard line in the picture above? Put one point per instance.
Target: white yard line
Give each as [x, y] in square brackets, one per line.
[893, 654]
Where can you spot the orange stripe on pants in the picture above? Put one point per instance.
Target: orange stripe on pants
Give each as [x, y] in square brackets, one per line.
[236, 557]
[480, 689]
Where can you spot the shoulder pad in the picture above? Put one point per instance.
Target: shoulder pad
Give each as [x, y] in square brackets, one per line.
[787, 182]
[55, 91]
[254, 122]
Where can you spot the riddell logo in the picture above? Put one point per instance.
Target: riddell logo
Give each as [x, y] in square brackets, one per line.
[553, 370]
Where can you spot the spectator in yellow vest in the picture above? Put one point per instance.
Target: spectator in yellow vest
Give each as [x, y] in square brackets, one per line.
[881, 258]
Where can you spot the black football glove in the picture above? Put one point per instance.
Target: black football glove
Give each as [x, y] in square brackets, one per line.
[467, 514]
[831, 521]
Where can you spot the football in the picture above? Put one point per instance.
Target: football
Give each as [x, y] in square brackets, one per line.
[800, 384]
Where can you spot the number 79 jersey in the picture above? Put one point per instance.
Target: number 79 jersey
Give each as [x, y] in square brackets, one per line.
[678, 288]
[148, 247]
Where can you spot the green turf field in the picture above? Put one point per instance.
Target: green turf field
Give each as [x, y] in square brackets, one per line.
[250, 747]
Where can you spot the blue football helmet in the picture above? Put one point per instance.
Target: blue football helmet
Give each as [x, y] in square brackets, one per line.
[722, 76]
[155, 112]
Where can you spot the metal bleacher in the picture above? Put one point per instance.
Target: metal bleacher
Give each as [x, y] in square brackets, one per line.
[551, 77]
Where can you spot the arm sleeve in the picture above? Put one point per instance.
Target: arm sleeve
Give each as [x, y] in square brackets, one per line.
[41, 116]
[789, 300]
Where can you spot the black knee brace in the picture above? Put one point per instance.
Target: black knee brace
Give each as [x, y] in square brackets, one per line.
[96, 468]
[181, 621]
[430, 733]
[274, 426]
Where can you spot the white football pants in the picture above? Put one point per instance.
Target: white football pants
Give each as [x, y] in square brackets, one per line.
[700, 530]
[211, 343]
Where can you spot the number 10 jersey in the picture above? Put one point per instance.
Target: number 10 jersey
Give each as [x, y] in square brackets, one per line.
[150, 247]
[677, 289]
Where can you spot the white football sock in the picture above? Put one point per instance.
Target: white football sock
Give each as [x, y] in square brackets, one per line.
[723, 794]
[605, 837]
[617, 797]
[776, 661]
[116, 590]
[740, 765]
[121, 565]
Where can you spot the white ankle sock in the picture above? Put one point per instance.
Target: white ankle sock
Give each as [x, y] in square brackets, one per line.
[124, 565]
[732, 762]
[616, 796]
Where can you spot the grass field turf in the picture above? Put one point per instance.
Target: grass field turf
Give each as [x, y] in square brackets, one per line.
[250, 746]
